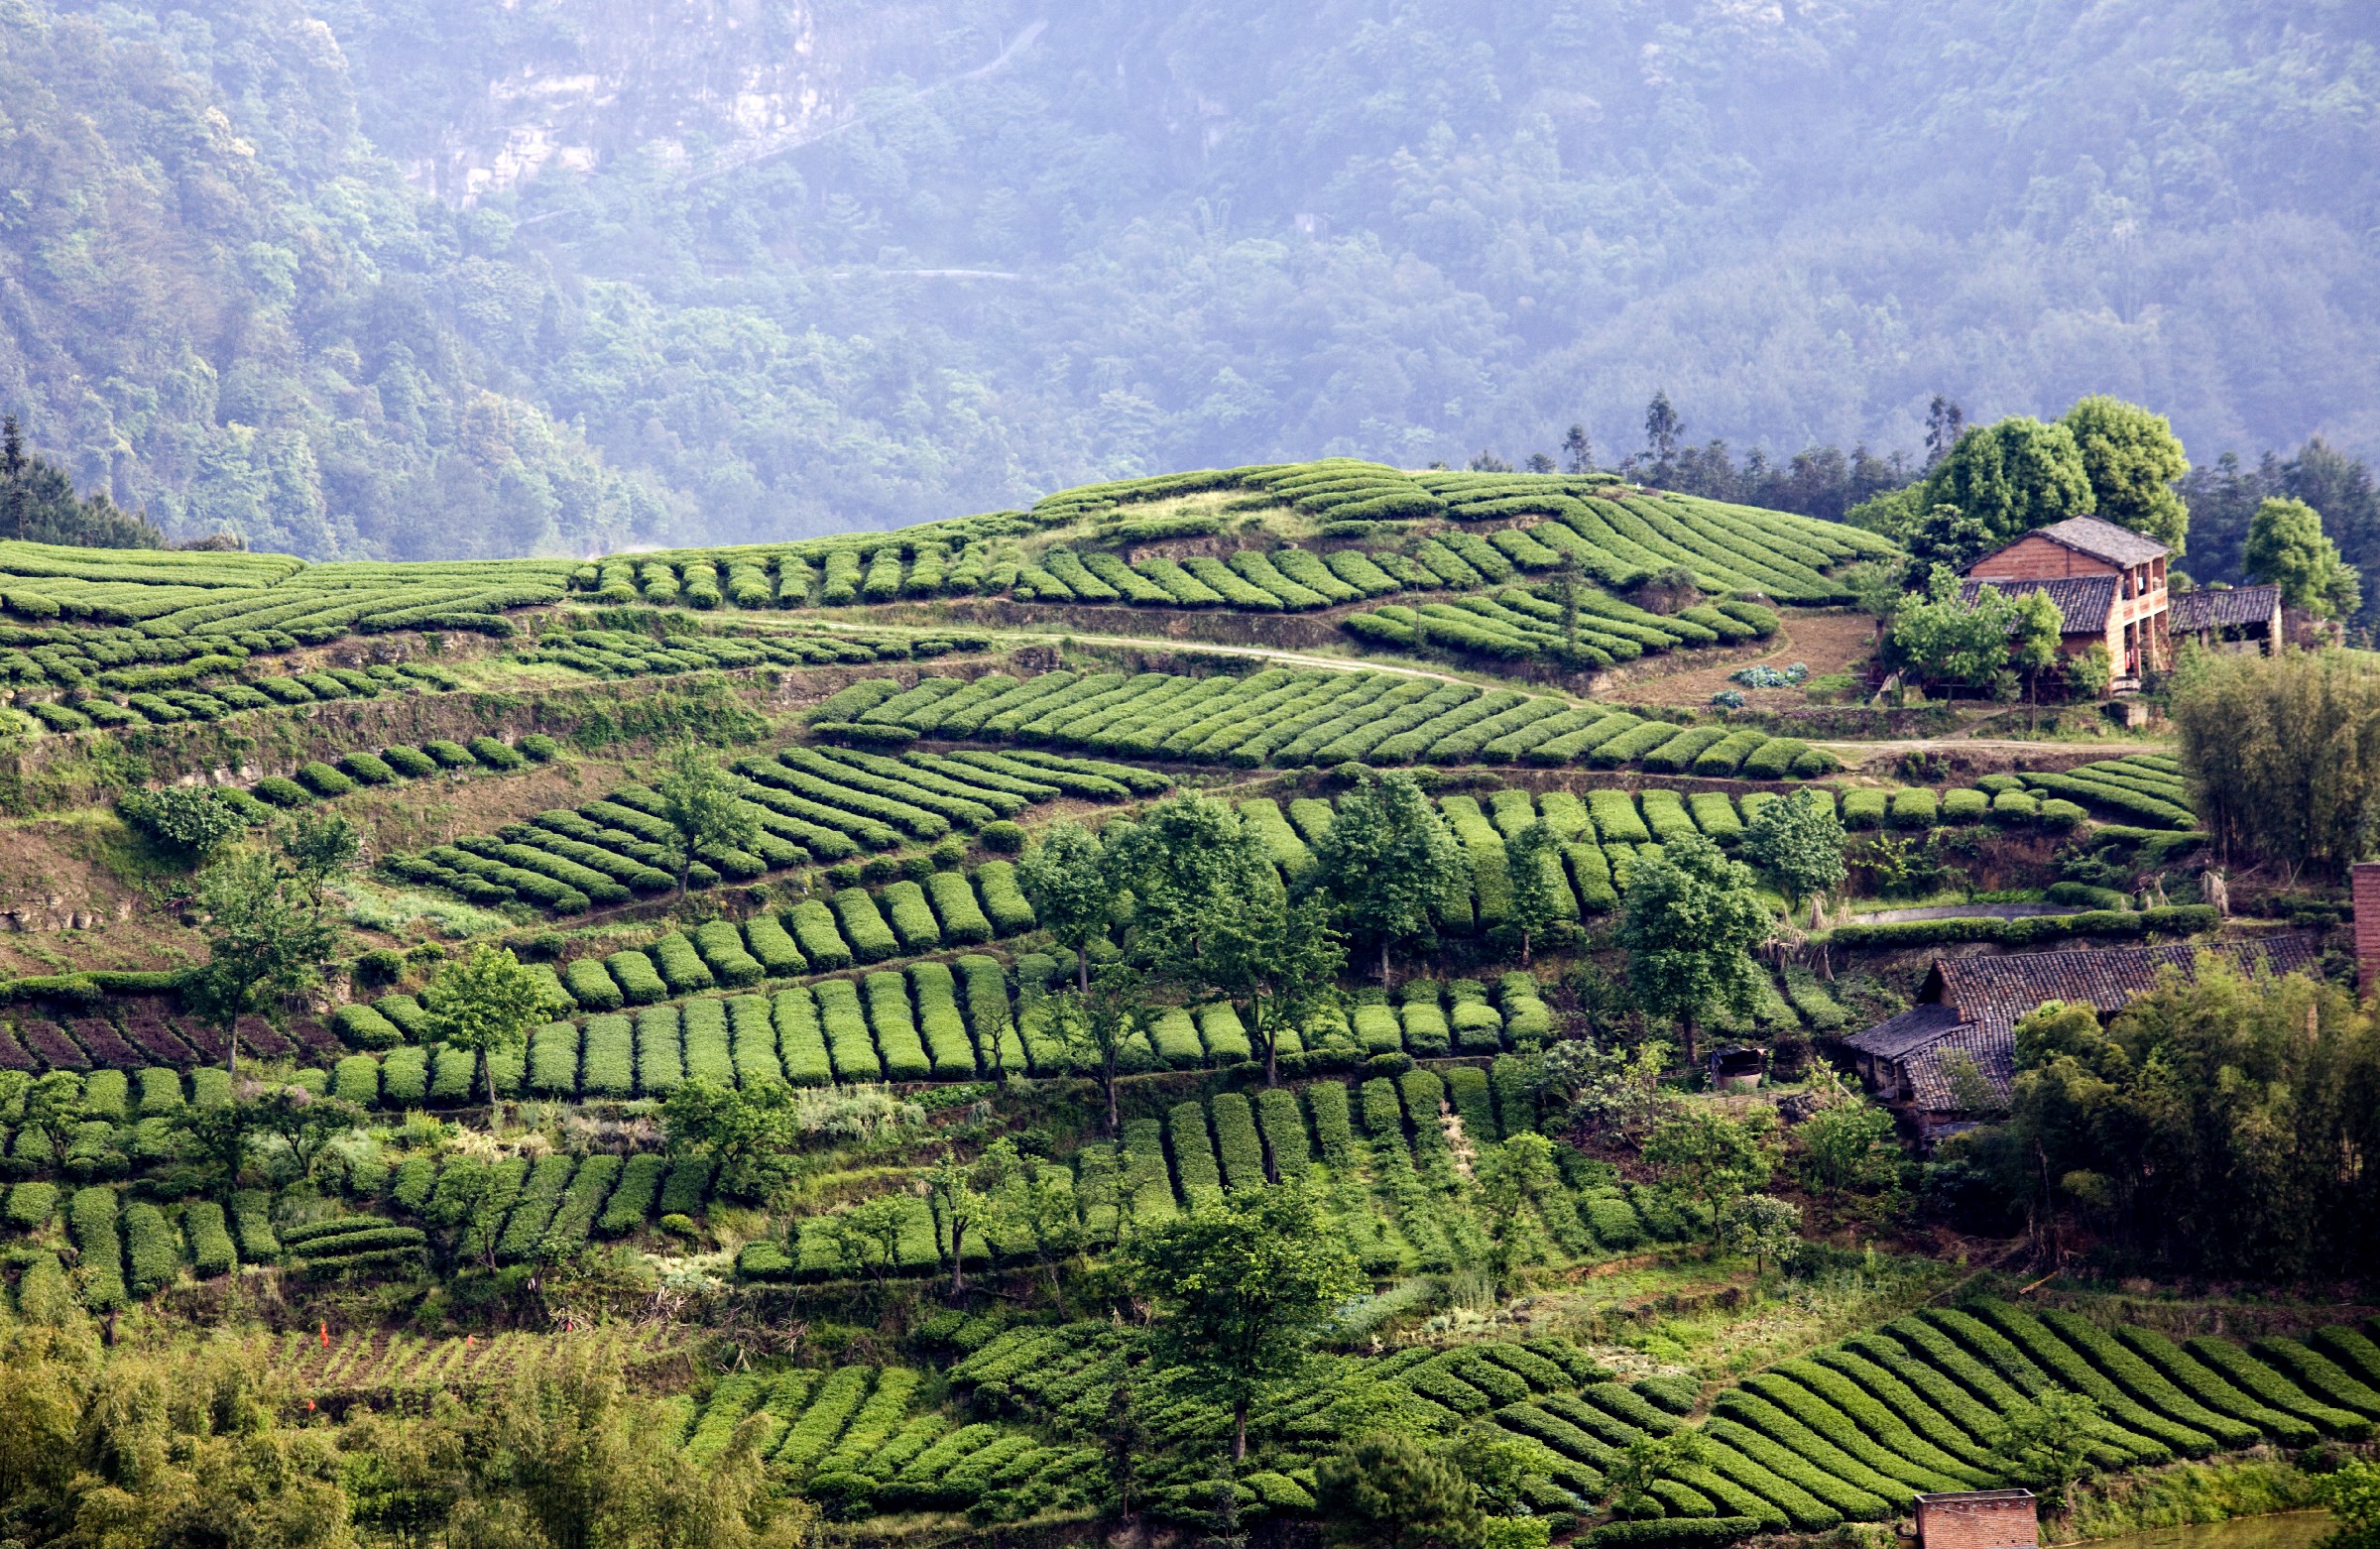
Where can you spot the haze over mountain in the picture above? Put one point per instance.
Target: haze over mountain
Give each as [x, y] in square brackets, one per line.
[449, 278]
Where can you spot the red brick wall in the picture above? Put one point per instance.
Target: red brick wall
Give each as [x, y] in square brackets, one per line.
[2366, 876]
[1956, 1524]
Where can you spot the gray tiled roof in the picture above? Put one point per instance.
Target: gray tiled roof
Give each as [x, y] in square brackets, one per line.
[2082, 600]
[2237, 607]
[1994, 1056]
[1895, 1036]
[1997, 991]
[2102, 541]
[1970, 1004]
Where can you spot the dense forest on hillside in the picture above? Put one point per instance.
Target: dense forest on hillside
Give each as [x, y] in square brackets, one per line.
[281, 269]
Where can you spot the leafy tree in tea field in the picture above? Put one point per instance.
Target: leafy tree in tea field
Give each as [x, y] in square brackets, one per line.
[1799, 841]
[1707, 1155]
[1242, 1289]
[698, 802]
[1387, 1490]
[268, 939]
[1275, 957]
[1387, 860]
[1094, 1026]
[304, 1122]
[487, 1003]
[1534, 859]
[2034, 635]
[2046, 1443]
[190, 821]
[1067, 878]
[1691, 922]
[1178, 859]
[749, 1132]
[1510, 1176]
[1945, 638]
[1762, 1226]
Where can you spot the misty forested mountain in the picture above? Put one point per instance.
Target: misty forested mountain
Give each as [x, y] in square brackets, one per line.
[448, 277]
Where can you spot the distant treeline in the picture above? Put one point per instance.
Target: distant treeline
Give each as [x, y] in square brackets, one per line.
[38, 503]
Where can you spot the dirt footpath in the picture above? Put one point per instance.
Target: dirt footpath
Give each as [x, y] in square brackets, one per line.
[1824, 643]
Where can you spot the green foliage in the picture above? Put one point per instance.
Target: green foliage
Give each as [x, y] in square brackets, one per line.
[2287, 547]
[2132, 460]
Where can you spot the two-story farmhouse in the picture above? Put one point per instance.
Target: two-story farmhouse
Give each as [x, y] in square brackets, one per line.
[2109, 584]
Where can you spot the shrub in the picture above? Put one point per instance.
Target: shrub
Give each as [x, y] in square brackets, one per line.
[366, 769]
[450, 755]
[365, 1027]
[680, 966]
[813, 927]
[639, 984]
[412, 763]
[211, 1251]
[631, 1201]
[897, 1037]
[1004, 901]
[322, 779]
[912, 919]
[283, 793]
[871, 940]
[938, 1019]
[766, 939]
[494, 754]
[1003, 836]
[800, 1039]
[554, 1061]
[592, 986]
[155, 1247]
[538, 747]
[722, 948]
[850, 1049]
[91, 1218]
[708, 1053]
[356, 1079]
[404, 1077]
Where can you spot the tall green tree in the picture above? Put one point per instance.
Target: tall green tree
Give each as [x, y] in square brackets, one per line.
[1387, 1490]
[1535, 858]
[2287, 548]
[749, 1132]
[1386, 861]
[2133, 460]
[1243, 1288]
[1093, 1027]
[2283, 754]
[2046, 1443]
[1178, 859]
[1067, 878]
[1944, 638]
[1799, 841]
[1997, 483]
[1691, 922]
[1276, 958]
[267, 940]
[487, 1002]
[1510, 1176]
[1714, 1157]
[701, 802]
[2034, 635]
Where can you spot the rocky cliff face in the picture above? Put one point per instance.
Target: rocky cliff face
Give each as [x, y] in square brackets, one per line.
[696, 87]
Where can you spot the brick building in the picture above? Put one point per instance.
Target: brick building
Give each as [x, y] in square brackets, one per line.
[1968, 1007]
[1978, 1519]
[2107, 581]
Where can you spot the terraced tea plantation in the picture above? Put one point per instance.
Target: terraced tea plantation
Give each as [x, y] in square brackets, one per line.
[870, 1026]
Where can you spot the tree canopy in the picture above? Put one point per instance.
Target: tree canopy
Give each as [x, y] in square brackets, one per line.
[2287, 548]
